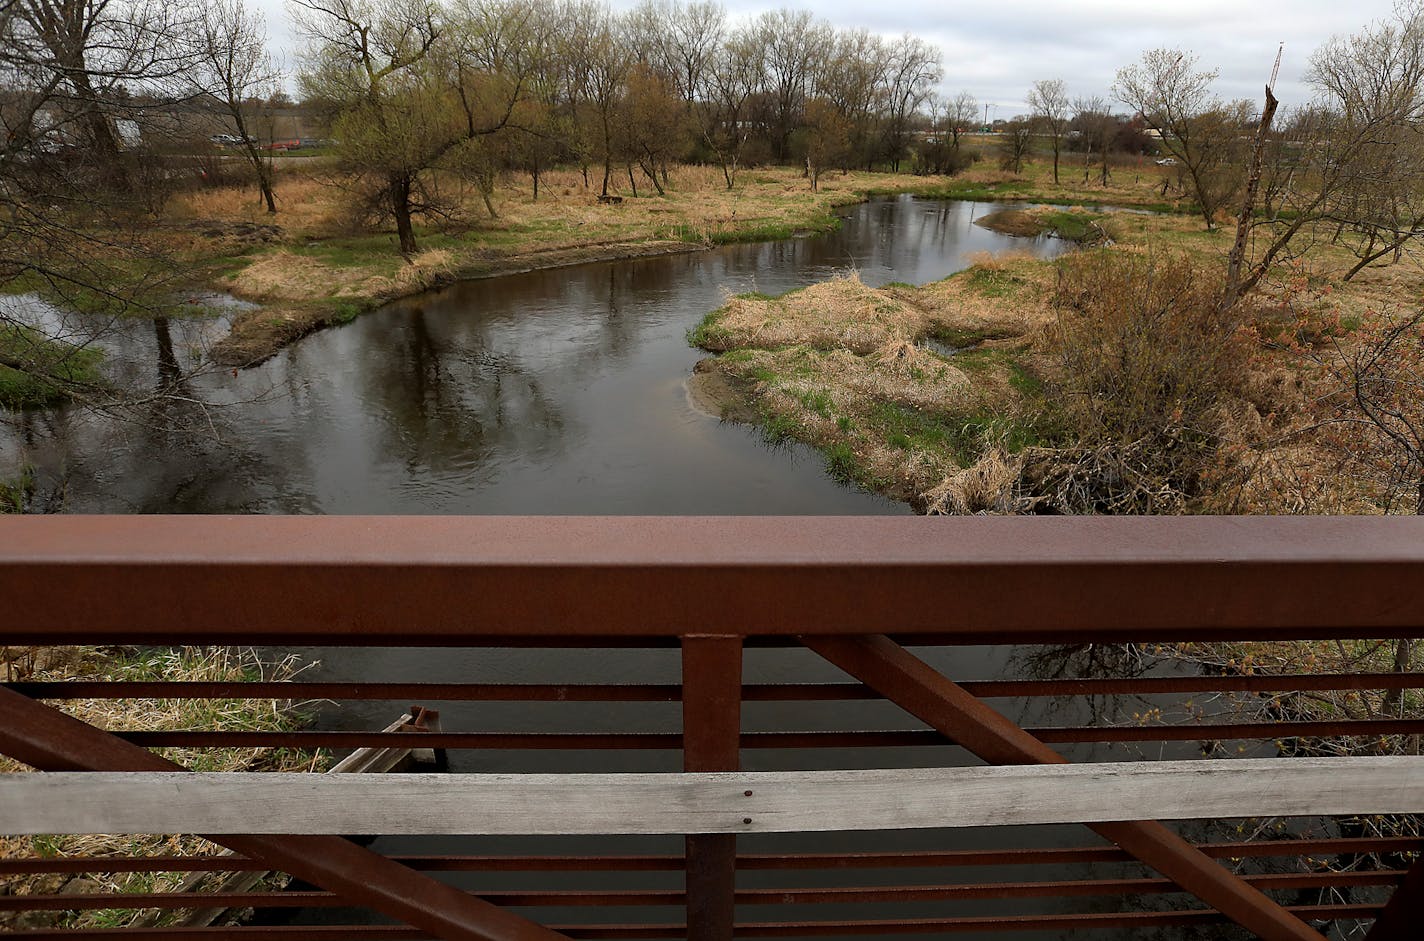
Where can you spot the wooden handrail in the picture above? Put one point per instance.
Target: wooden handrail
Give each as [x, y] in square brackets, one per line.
[719, 802]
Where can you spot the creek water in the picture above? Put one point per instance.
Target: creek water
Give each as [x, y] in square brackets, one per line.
[559, 391]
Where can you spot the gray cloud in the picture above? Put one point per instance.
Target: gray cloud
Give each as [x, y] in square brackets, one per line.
[995, 50]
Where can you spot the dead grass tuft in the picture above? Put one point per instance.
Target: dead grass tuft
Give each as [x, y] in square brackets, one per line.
[986, 486]
[181, 664]
[842, 313]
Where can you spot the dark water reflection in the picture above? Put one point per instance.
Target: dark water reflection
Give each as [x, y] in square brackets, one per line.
[558, 391]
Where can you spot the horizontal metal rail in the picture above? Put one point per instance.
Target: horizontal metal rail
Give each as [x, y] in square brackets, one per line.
[1135, 921]
[670, 693]
[876, 738]
[906, 859]
[461, 580]
[605, 898]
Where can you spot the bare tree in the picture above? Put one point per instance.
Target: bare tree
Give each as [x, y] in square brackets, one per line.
[792, 43]
[79, 59]
[1352, 159]
[607, 69]
[1202, 132]
[913, 71]
[852, 81]
[828, 138]
[1096, 127]
[961, 112]
[1014, 143]
[76, 230]
[234, 70]
[1049, 100]
[734, 77]
[695, 30]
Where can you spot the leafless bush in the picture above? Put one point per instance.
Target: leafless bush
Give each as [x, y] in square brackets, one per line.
[1146, 366]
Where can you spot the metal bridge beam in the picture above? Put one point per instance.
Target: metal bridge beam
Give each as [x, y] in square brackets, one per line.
[711, 730]
[49, 740]
[922, 691]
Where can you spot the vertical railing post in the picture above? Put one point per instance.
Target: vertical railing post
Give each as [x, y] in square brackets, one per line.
[1401, 916]
[711, 737]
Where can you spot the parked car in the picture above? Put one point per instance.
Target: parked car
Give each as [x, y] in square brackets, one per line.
[1167, 162]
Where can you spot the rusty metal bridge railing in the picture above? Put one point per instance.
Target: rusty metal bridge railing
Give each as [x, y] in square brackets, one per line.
[815, 695]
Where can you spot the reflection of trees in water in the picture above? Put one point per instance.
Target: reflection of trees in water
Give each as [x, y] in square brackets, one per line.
[1088, 661]
[169, 451]
[449, 406]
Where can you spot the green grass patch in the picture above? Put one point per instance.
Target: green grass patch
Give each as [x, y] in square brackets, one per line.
[51, 368]
[842, 464]
[15, 494]
[371, 251]
[963, 338]
[1073, 226]
[778, 429]
[709, 334]
[993, 281]
[344, 312]
[1024, 381]
[817, 401]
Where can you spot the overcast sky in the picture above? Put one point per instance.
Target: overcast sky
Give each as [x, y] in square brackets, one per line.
[996, 48]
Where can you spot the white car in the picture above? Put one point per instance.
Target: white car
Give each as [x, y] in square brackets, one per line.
[1167, 162]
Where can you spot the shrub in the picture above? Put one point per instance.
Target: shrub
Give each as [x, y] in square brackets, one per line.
[1146, 370]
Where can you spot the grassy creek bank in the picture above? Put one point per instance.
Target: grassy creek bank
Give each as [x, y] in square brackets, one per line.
[1082, 227]
[54, 664]
[311, 272]
[1101, 382]
[315, 263]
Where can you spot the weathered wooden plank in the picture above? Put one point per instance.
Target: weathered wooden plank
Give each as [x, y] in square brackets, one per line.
[730, 802]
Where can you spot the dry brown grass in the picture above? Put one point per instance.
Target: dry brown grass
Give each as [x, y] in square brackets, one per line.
[986, 486]
[187, 664]
[308, 205]
[1000, 295]
[291, 277]
[842, 313]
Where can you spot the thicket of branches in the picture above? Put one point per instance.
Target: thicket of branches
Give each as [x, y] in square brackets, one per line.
[481, 86]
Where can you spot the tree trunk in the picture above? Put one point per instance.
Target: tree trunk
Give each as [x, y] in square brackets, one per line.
[100, 132]
[652, 175]
[632, 183]
[1237, 258]
[399, 187]
[169, 372]
[1403, 648]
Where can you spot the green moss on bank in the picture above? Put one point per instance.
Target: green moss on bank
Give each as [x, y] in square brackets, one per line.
[43, 371]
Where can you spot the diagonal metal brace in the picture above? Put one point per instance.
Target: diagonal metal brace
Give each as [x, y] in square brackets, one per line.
[1399, 921]
[47, 739]
[929, 696]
